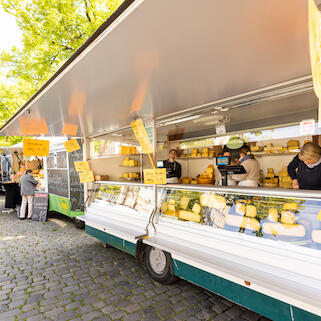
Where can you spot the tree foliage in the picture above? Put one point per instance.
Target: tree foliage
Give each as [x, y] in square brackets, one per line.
[52, 30]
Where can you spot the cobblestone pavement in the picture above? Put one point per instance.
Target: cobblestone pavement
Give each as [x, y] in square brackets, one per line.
[53, 271]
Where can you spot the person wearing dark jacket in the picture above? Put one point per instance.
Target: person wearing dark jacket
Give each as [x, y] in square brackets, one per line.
[305, 168]
[173, 168]
[27, 187]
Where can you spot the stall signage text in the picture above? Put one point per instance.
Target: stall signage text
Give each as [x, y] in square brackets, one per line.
[82, 166]
[155, 176]
[35, 147]
[71, 145]
[86, 177]
[142, 136]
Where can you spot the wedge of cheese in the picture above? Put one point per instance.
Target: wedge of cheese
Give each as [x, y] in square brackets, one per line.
[250, 211]
[189, 216]
[184, 202]
[273, 215]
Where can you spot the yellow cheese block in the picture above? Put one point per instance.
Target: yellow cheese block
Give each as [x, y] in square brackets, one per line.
[270, 170]
[186, 180]
[294, 143]
[290, 206]
[172, 201]
[287, 217]
[193, 181]
[196, 208]
[131, 162]
[205, 155]
[283, 173]
[211, 153]
[126, 175]
[270, 175]
[133, 150]
[194, 151]
[184, 202]
[250, 211]
[205, 150]
[189, 216]
[171, 208]
[125, 162]
[273, 215]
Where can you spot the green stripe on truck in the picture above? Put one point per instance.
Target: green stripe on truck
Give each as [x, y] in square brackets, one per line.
[112, 240]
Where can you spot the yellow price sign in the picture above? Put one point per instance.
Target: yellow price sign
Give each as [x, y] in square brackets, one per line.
[71, 145]
[142, 136]
[35, 147]
[86, 177]
[155, 176]
[319, 216]
[82, 166]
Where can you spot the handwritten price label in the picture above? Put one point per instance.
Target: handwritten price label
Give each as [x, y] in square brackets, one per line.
[155, 176]
[71, 145]
[86, 177]
[82, 166]
[35, 147]
[142, 136]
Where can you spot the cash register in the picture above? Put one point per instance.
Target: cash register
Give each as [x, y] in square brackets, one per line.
[223, 165]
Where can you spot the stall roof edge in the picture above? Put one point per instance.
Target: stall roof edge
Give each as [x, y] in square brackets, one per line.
[122, 8]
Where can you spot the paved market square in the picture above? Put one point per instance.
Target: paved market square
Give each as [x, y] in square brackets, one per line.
[53, 271]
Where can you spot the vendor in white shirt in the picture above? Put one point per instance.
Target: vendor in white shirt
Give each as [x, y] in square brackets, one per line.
[251, 166]
[173, 168]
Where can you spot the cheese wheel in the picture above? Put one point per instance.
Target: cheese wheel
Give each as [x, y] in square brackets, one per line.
[284, 229]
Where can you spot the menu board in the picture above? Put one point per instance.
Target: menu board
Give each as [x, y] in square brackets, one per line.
[76, 188]
[58, 182]
[61, 159]
[40, 207]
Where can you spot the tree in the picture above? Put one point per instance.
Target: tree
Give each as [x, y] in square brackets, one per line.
[52, 30]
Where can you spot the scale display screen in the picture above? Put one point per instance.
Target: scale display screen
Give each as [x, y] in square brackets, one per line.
[160, 164]
[225, 160]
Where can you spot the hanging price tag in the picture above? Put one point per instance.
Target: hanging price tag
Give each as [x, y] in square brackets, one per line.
[82, 166]
[142, 136]
[86, 177]
[71, 145]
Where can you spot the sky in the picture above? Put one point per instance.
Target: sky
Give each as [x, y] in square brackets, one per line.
[10, 34]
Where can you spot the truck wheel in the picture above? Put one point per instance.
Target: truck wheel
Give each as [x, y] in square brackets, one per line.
[79, 223]
[159, 265]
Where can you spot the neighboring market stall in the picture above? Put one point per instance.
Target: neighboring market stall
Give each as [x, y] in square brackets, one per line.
[197, 80]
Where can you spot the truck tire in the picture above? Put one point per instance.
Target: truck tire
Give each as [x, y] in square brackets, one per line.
[159, 265]
[79, 223]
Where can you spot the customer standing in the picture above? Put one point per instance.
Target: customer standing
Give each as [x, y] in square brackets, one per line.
[27, 185]
[305, 168]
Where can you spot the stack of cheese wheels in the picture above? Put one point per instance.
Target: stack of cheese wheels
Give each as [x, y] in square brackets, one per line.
[293, 145]
[208, 176]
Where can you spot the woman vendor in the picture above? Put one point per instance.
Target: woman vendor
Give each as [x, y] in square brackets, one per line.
[305, 168]
[251, 166]
[173, 168]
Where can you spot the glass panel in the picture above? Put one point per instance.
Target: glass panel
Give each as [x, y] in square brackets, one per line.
[51, 161]
[139, 198]
[61, 159]
[296, 221]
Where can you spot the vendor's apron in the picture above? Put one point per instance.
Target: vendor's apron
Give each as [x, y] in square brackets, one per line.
[248, 183]
[172, 180]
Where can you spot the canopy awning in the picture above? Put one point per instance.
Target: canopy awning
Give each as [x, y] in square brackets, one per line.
[162, 57]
